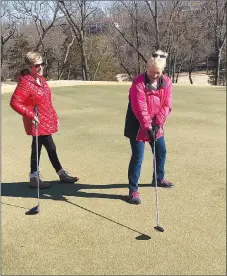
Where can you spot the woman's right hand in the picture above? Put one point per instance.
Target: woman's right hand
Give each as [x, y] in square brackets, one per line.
[35, 120]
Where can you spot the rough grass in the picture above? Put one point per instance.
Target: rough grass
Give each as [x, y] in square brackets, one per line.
[97, 233]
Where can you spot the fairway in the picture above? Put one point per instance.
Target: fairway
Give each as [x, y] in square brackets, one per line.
[87, 228]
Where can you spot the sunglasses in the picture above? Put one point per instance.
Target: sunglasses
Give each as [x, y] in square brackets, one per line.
[157, 55]
[40, 64]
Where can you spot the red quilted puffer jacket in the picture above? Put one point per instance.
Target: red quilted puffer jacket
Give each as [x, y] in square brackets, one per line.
[29, 94]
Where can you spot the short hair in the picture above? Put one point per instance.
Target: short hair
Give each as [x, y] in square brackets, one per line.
[32, 57]
[24, 72]
[158, 63]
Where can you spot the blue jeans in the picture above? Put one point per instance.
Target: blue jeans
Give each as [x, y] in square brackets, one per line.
[137, 160]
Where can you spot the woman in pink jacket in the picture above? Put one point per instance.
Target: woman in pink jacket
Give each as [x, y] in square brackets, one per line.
[150, 103]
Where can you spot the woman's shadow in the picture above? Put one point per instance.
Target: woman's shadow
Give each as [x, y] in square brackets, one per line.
[58, 191]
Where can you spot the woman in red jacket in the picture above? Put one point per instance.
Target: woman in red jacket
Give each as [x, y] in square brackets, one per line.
[150, 102]
[33, 91]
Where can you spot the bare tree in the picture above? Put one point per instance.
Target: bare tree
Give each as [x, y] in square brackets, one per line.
[192, 33]
[127, 25]
[77, 14]
[8, 28]
[172, 32]
[44, 14]
[186, 39]
[154, 15]
[216, 11]
[65, 49]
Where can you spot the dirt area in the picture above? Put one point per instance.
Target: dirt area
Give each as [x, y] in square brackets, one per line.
[198, 80]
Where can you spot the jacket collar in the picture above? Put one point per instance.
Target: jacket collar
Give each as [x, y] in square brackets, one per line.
[30, 78]
[148, 85]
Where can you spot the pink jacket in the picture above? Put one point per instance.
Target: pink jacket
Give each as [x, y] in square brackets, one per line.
[147, 104]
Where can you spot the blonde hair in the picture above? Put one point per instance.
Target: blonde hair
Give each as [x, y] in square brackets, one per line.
[32, 57]
[157, 62]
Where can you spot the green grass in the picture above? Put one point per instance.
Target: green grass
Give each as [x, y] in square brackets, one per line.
[91, 236]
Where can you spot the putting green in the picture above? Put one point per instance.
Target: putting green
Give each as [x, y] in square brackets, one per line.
[86, 228]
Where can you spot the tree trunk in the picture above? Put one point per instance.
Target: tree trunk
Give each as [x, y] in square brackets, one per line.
[154, 15]
[168, 62]
[1, 55]
[47, 66]
[178, 73]
[190, 76]
[58, 69]
[69, 72]
[98, 65]
[85, 68]
[137, 37]
[79, 28]
[170, 67]
[217, 69]
[219, 27]
[156, 27]
[138, 56]
[174, 69]
[66, 57]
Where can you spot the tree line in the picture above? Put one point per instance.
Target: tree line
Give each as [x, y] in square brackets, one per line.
[96, 40]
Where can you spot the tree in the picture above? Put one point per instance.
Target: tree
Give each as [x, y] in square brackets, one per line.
[16, 55]
[8, 29]
[103, 65]
[77, 14]
[44, 14]
[216, 11]
[154, 15]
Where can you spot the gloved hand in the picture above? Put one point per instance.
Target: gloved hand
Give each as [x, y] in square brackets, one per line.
[152, 132]
[35, 120]
[155, 129]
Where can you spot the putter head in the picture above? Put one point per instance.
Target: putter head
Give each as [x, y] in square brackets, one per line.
[33, 211]
[159, 228]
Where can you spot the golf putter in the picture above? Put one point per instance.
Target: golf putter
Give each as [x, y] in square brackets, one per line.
[158, 227]
[35, 210]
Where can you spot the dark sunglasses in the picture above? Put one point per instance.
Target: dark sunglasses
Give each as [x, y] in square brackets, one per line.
[157, 55]
[40, 64]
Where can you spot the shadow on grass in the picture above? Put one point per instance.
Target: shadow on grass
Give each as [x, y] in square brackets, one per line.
[58, 191]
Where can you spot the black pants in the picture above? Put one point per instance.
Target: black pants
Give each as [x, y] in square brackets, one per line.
[48, 143]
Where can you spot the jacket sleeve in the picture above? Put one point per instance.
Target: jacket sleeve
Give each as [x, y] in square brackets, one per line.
[166, 107]
[18, 99]
[50, 95]
[139, 105]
